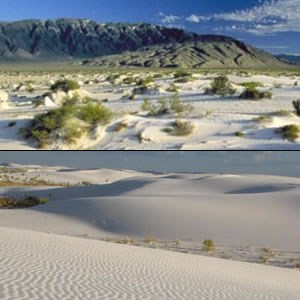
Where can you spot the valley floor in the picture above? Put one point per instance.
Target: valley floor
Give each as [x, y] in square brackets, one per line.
[219, 122]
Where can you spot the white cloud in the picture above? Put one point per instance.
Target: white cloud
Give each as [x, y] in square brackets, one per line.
[168, 19]
[270, 16]
[196, 18]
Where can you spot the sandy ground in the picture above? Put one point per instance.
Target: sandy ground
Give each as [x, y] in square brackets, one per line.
[73, 247]
[216, 119]
[46, 266]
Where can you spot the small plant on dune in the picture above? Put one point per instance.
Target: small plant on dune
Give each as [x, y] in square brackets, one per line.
[220, 86]
[67, 123]
[239, 134]
[65, 85]
[208, 245]
[28, 201]
[150, 240]
[177, 243]
[164, 106]
[296, 105]
[263, 119]
[251, 84]
[144, 82]
[297, 265]
[182, 128]
[265, 259]
[290, 132]
[182, 73]
[254, 94]
[86, 183]
[172, 88]
[95, 114]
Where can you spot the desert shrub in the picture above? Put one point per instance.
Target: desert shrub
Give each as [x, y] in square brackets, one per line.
[254, 94]
[239, 134]
[208, 245]
[63, 122]
[296, 105]
[182, 128]
[265, 258]
[251, 84]
[94, 114]
[129, 80]
[220, 86]
[177, 106]
[164, 106]
[297, 265]
[263, 119]
[145, 81]
[112, 78]
[172, 88]
[290, 132]
[28, 201]
[184, 80]
[282, 113]
[87, 183]
[182, 73]
[150, 240]
[65, 85]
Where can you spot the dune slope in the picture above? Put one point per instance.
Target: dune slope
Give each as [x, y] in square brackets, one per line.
[46, 266]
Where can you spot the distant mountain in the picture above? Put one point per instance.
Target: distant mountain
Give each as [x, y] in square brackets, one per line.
[116, 44]
[290, 58]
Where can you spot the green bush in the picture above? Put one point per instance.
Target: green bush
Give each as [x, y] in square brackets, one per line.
[65, 85]
[239, 134]
[182, 128]
[220, 86]
[173, 105]
[290, 132]
[95, 114]
[254, 94]
[208, 245]
[251, 84]
[28, 201]
[64, 123]
[296, 105]
[144, 82]
[181, 73]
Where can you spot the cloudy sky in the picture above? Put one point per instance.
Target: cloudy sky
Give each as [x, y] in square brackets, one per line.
[262, 162]
[273, 25]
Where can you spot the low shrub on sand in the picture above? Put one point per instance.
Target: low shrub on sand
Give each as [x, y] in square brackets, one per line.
[220, 86]
[65, 85]
[254, 94]
[28, 201]
[208, 245]
[290, 132]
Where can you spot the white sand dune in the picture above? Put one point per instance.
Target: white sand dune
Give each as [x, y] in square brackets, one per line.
[237, 210]
[46, 266]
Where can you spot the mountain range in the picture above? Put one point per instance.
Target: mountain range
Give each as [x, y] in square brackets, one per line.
[120, 44]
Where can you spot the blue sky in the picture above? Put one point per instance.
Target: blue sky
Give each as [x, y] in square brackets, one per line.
[263, 162]
[273, 25]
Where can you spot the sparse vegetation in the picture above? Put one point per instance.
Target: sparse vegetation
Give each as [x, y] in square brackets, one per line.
[251, 84]
[181, 74]
[290, 132]
[296, 105]
[220, 86]
[239, 134]
[208, 245]
[28, 201]
[263, 119]
[164, 106]
[180, 128]
[67, 123]
[65, 85]
[254, 94]
[150, 240]
[121, 126]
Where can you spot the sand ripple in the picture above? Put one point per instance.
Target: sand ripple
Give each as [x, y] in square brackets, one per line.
[45, 266]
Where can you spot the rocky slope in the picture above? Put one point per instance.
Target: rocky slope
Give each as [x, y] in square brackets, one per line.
[157, 46]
